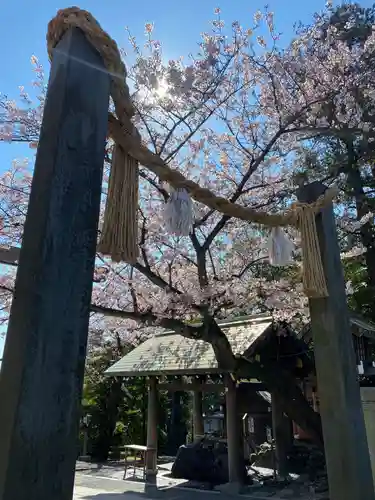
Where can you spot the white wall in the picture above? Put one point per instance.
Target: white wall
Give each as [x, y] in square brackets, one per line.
[368, 404]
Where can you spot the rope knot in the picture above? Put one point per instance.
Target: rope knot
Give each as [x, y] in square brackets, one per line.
[313, 278]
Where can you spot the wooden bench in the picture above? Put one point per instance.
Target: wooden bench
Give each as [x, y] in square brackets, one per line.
[139, 454]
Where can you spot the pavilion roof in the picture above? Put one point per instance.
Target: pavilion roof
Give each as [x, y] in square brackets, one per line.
[171, 354]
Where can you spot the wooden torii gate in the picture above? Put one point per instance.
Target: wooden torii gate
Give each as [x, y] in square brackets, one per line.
[43, 363]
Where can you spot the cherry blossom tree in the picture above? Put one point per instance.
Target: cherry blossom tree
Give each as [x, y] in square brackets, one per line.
[236, 118]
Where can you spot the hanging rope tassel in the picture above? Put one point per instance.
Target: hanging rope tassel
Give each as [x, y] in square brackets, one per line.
[119, 237]
[178, 213]
[314, 282]
[280, 248]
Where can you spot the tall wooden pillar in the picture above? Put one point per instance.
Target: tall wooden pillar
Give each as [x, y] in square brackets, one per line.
[346, 449]
[198, 423]
[282, 435]
[152, 428]
[176, 425]
[44, 356]
[233, 431]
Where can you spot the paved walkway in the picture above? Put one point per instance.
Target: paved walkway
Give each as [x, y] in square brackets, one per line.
[82, 493]
[100, 488]
[89, 487]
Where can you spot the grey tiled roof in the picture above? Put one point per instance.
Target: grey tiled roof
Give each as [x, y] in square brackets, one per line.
[170, 353]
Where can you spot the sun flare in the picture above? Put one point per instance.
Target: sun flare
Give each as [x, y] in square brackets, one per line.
[157, 92]
[162, 89]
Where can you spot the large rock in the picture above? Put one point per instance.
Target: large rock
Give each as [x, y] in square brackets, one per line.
[202, 461]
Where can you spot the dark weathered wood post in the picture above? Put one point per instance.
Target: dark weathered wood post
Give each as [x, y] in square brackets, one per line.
[198, 422]
[152, 430]
[281, 435]
[233, 432]
[44, 356]
[347, 455]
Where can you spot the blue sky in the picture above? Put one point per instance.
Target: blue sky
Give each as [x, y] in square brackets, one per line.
[177, 25]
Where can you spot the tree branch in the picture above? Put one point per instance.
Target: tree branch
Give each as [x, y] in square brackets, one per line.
[150, 319]
[147, 318]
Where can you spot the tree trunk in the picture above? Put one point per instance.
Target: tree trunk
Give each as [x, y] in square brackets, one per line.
[370, 264]
[363, 207]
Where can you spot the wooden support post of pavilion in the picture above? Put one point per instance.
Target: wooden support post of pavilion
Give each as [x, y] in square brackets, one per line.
[346, 449]
[281, 434]
[44, 356]
[233, 431]
[152, 429]
[198, 424]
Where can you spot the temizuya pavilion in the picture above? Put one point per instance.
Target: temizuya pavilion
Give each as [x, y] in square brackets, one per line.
[192, 363]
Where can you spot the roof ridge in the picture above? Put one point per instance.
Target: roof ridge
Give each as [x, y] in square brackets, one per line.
[253, 318]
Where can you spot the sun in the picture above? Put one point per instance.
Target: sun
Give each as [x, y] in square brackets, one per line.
[162, 89]
[158, 92]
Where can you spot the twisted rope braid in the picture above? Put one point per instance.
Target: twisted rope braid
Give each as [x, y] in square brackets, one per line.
[74, 17]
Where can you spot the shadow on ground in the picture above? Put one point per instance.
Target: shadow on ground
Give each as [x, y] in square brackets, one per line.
[149, 493]
[152, 494]
[115, 496]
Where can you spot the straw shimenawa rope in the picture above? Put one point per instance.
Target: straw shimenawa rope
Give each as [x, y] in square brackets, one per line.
[119, 236]
[313, 277]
